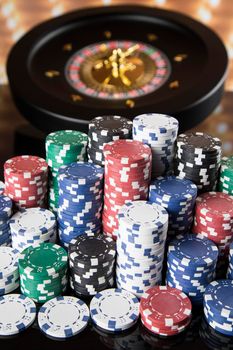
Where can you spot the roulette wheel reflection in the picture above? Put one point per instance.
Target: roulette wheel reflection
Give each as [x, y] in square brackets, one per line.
[123, 60]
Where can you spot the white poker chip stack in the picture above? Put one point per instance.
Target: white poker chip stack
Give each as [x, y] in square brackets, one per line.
[140, 246]
[159, 131]
[32, 226]
[9, 272]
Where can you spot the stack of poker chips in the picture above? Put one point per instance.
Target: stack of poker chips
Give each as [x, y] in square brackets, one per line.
[159, 131]
[114, 310]
[226, 176]
[127, 178]
[103, 130]
[178, 197]
[43, 271]
[218, 306]
[140, 245]
[198, 159]
[9, 272]
[80, 200]
[63, 317]
[214, 219]
[5, 214]
[165, 311]
[26, 181]
[230, 266]
[92, 263]
[32, 226]
[62, 148]
[191, 264]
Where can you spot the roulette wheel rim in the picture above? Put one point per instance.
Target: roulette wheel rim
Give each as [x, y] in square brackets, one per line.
[49, 112]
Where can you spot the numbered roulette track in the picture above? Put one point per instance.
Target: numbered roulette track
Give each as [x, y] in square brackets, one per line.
[123, 60]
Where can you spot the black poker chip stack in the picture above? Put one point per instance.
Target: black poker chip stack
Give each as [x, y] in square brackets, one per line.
[198, 159]
[92, 263]
[106, 129]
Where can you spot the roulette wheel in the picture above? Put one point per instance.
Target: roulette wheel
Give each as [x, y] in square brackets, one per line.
[122, 60]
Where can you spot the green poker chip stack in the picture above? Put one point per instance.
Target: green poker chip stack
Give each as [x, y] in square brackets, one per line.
[62, 148]
[43, 271]
[226, 176]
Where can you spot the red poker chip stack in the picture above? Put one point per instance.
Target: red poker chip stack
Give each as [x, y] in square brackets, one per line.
[165, 311]
[214, 219]
[26, 181]
[127, 178]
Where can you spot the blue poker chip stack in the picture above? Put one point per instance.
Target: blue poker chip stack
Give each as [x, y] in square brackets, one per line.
[230, 266]
[218, 306]
[80, 200]
[159, 131]
[140, 246]
[178, 197]
[191, 264]
[5, 214]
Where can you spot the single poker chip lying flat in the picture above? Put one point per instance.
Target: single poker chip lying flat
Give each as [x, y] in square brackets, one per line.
[165, 306]
[17, 313]
[63, 317]
[114, 309]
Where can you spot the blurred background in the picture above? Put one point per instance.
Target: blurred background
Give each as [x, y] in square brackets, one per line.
[19, 16]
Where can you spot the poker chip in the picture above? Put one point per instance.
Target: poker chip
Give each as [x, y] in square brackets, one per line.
[230, 266]
[63, 317]
[43, 271]
[105, 129]
[191, 264]
[178, 197]
[62, 148]
[140, 245]
[32, 226]
[5, 213]
[214, 219]
[218, 306]
[226, 176]
[127, 177]
[165, 311]
[92, 263]
[159, 131]
[26, 181]
[17, 313]
[198, 159]
[80, 200]
[114, 310]
[9, 273]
